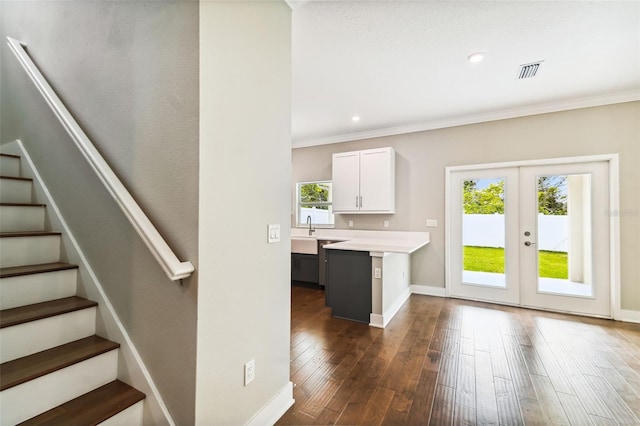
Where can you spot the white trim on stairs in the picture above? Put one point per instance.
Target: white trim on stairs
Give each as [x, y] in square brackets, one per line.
[33, 397]
[115, 330]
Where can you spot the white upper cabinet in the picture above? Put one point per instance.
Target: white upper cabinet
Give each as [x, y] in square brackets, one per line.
[364, 181]
[346, 181]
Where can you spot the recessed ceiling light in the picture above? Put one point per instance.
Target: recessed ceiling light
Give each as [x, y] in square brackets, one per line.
[355, 118]
[476, 57]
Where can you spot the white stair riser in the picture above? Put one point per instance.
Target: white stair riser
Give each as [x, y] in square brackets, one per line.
[31, 398]
[36, 336]
[18, 251]
[35, 288]
[9, 166]
[15, 191]
[21, 218]
[130, 416]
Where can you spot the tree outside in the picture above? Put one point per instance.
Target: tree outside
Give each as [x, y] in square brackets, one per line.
[314, 194]
[552, 196]
[489, 200]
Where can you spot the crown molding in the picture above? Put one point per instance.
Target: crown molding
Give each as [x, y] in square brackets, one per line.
[296, 4]
[586, 102]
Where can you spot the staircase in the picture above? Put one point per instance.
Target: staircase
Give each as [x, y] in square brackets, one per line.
[54, 369]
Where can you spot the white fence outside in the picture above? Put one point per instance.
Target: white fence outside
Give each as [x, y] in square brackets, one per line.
[318, 216]
[487, 230]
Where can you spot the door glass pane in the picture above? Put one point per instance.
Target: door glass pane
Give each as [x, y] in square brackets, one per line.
[564, 235]
[483, 232]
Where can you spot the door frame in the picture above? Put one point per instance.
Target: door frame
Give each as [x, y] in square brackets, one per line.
[614, 206]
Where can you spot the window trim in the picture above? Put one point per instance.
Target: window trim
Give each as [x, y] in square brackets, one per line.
[299, 224]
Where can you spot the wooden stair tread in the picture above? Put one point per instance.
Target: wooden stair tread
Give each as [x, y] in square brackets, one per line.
[15, 271]
[91, 408]
[21, 205]
[28, 234]
[37, 311]
[9, 155]
[16, 178]
[21, 370]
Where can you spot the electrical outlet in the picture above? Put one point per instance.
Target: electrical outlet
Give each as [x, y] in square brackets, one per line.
[432, 223]
[249, 372]
[350, 224]
[385, 223]
[377, 273]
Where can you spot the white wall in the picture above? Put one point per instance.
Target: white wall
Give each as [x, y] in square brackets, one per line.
[245, 156]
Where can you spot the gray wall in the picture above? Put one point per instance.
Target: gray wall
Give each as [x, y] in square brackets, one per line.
[128, 71]
[245, 153]
[421, 159]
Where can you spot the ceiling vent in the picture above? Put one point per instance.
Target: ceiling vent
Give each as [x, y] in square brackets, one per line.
[529, 70]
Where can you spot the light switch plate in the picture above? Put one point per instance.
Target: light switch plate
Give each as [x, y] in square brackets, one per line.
[432, 223]
[249, 372]
[273, 233]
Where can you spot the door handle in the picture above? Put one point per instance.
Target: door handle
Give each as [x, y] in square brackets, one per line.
[529, 243]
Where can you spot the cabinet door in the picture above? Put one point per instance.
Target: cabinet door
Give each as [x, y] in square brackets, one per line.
[304, 267]
[346, 181]
[349, 284]
[295, 267]
[309, 268]
[377, 180]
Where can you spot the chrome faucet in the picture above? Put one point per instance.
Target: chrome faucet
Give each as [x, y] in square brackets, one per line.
[311, 230]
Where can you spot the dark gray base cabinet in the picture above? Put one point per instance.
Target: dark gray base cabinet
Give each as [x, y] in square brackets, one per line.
[304, 267]
[348, 289]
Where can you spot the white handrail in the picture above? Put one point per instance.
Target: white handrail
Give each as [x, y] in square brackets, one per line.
[174, 268]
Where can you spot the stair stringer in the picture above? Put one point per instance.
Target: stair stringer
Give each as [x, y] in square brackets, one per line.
[131, 368]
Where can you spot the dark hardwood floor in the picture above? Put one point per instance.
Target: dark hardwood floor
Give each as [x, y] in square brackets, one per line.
[447, 361]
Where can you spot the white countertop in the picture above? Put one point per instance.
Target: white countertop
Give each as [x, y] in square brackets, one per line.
[372, 241]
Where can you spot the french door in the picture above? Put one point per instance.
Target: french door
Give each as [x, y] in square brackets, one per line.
[535, 236]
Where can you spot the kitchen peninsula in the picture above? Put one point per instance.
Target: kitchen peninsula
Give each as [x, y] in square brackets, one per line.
[368, 272]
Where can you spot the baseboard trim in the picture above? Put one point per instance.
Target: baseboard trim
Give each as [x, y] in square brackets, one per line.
[620, 315]
[393, 309]
[376, 320]
[275, 408]
[427, 290]
[115, 329]
[628, 316]
[381, 321]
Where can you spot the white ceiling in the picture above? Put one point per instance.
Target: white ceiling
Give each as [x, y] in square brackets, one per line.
[402, 65]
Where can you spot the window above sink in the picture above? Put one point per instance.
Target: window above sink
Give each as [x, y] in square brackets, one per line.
[314, 203]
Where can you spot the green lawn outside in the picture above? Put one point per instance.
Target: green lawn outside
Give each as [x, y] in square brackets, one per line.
[489, 259]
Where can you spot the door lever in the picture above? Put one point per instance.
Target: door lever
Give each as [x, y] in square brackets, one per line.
[529, 243]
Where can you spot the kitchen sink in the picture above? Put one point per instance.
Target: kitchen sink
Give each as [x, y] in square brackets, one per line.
[304, 245]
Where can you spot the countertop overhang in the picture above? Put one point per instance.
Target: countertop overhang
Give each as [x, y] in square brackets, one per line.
[373, 241]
